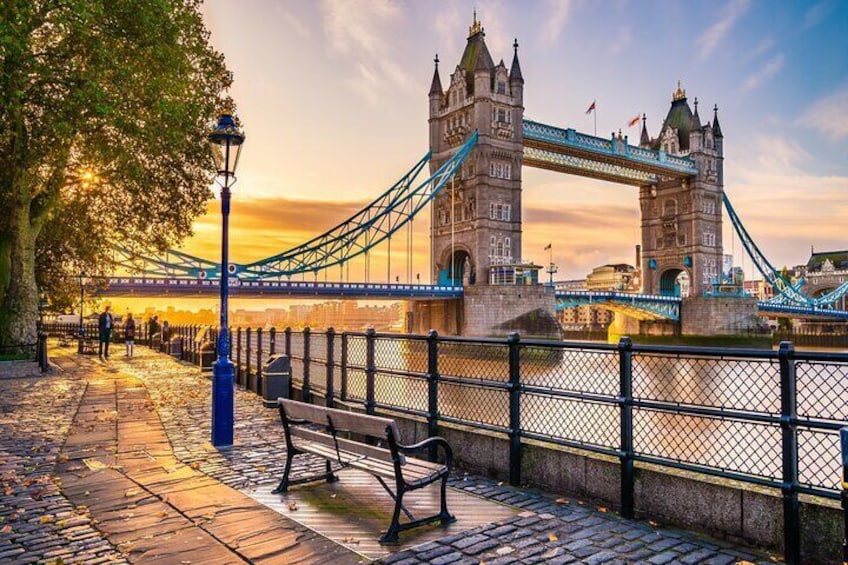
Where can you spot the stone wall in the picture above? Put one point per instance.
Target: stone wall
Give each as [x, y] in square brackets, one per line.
[719, 315]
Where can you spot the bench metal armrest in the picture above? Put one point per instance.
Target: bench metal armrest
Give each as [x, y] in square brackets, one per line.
[436, 440]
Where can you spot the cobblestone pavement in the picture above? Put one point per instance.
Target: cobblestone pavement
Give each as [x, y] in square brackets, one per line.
[549, 530]
[37, 523]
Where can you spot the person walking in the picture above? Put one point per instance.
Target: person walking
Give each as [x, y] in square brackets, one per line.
[152, 329]
[105, 323]
[129, 334]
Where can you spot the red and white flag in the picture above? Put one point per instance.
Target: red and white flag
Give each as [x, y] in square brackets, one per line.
[591, 108]
[634, 121]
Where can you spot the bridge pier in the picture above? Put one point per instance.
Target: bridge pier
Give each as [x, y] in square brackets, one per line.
[719, 315]
[490, 311]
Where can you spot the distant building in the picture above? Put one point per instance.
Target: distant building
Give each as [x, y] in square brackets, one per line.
[824, 273]
[619, 277]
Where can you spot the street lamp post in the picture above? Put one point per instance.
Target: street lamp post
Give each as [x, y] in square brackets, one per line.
[81, 326]
[226, 142]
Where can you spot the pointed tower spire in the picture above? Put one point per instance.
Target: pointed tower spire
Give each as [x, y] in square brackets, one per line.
[515, 70]
[645, 140]
[696, 119]
[716, 127]
[436, 85]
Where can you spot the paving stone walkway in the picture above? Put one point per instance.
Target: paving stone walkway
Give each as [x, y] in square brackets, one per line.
[141, 426]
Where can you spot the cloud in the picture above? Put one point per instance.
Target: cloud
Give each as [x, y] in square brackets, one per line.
[783, 207]
[828, 115]
[731, 13]
[294, 23]
[771, 68]
[621, 41]
[357, 29]
[815, 15]
[556, 18]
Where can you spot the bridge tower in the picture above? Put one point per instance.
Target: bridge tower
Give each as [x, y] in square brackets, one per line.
[682, 219]
[476, 220]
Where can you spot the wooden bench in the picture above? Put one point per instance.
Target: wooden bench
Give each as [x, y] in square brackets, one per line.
[334, 444]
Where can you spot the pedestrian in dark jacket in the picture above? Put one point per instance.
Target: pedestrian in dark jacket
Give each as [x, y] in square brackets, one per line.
[129, 335]
[105, 323]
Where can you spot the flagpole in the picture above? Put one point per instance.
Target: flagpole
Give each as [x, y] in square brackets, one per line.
[595, 115]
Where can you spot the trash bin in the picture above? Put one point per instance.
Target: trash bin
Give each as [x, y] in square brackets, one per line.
[207, 355]
[276, 380]
[175, 347]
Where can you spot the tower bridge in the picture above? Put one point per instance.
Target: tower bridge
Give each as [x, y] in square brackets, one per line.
[479, 284]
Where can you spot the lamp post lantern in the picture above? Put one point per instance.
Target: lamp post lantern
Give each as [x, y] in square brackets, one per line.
[225, 141]
[80, 349]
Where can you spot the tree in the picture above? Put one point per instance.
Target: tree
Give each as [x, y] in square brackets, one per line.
[104, 108]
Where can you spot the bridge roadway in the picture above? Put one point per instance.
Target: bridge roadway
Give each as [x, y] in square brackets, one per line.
[640, 306]
[186, 288]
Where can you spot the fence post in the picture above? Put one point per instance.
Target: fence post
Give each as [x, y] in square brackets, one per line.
[625, 399]
[306, 385]
[370, 370]
[288, 341]
[843, 434]
[259, 361]
[238, 356]
[331, 337]
[247, 350]
[514, 410]
[344, 367]
[272, 345]
[789, 432]
[432, 389]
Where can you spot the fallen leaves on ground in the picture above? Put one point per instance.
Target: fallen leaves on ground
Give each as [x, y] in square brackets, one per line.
[552, 537]
[131, 493]
[602, 509]
[195, 465]
[562, 501]
[292, 506]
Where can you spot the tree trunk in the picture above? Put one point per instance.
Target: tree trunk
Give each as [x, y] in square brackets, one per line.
[19, 295]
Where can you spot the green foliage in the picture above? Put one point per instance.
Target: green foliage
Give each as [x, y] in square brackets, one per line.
[105, 105]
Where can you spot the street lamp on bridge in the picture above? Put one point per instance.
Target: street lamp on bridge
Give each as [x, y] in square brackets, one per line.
[225, 141]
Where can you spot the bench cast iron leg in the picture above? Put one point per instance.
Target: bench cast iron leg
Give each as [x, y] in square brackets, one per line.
[391, 535]
[444, 515]
[331, 477]
[284, 484]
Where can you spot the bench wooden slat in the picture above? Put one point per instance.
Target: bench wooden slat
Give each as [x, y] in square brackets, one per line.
[374, 426]
[346, 444]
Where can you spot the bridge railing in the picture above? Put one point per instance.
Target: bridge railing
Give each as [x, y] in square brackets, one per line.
[764, 417]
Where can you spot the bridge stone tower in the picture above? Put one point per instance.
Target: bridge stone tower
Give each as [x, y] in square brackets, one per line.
[476, 220]
[682, 220]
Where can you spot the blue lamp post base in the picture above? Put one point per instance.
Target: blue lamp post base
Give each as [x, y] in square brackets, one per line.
[222, 402]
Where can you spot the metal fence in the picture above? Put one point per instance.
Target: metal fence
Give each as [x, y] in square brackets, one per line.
[770, 418]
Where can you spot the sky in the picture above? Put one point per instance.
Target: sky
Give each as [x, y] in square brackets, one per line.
[332, 95]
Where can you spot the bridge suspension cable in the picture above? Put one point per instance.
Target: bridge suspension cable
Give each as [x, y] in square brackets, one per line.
[787, 293]
[355, 236]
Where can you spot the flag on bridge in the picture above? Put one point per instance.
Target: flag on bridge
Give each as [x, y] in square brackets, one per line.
[634, 121]
[591, 108]
[548, 246]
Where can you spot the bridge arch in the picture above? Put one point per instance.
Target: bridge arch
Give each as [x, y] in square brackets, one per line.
[461, 259]
[675, 282]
